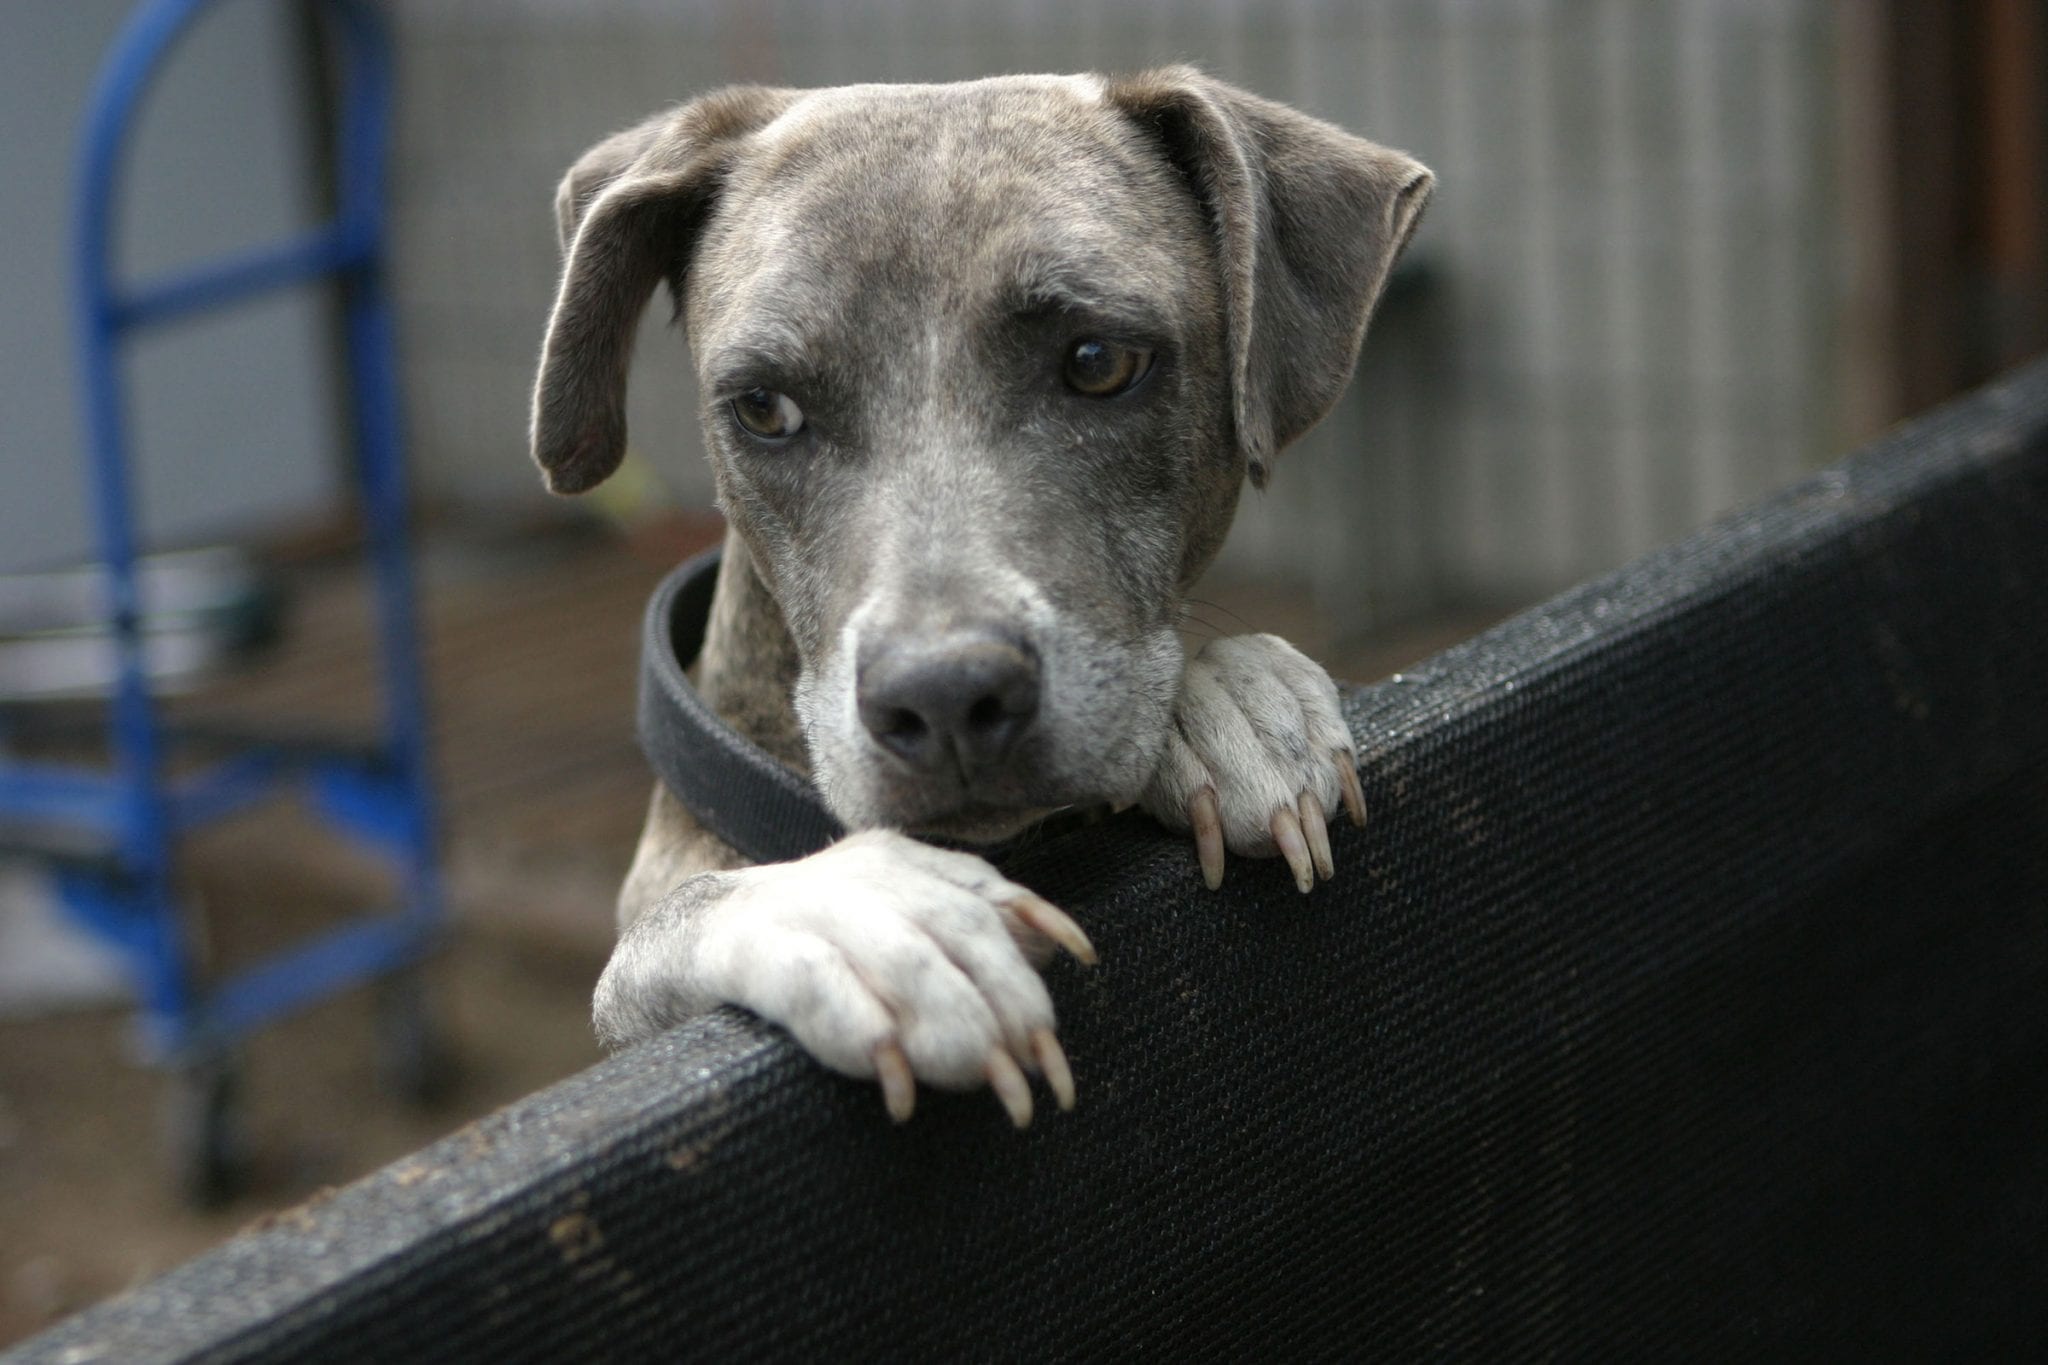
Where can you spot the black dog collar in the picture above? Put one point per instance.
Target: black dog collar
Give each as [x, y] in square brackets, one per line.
[732, 785]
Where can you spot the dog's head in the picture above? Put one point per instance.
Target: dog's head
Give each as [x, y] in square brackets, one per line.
[984, 367]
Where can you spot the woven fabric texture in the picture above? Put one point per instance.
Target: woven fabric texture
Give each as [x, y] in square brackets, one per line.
[1686, 998]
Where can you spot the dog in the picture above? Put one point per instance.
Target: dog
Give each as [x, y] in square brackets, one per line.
[984, 367]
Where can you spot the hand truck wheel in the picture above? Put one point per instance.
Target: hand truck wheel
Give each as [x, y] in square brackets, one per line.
[208, 1145]
[413, 1058]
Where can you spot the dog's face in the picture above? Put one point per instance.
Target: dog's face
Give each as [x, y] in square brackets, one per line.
[983, 368]
[1009, 439]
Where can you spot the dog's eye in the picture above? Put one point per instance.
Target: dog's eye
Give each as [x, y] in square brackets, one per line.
[770, 415]
[1103, 369]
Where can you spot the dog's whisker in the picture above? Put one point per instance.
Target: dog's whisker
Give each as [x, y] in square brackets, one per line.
[1218, 606]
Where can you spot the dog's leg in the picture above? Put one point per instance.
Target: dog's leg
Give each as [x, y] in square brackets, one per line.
[887, 958]
[1258, 758]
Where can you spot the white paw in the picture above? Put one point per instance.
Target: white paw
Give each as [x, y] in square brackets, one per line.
[894, 960]
[1258, 758]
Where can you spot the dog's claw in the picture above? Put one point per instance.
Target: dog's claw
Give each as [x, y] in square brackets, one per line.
[1315, 826]
[1010, 1086]
[1052, 1061]
[1207, 821]
[1287, 834]
[1354, 794]
[899, 1086]
[1055, 923]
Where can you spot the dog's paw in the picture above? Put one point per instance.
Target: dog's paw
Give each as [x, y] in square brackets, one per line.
[899, 962]
[1258, 758]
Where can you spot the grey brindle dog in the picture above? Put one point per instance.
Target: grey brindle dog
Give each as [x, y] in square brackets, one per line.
[984, 367]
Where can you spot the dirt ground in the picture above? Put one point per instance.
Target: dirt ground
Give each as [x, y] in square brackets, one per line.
[531, 642]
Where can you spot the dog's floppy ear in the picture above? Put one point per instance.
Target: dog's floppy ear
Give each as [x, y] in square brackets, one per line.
[627, 213]
[1307, 219]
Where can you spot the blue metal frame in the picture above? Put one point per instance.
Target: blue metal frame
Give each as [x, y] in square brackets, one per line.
[137, 808]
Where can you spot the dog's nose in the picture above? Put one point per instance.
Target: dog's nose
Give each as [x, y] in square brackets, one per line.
[963, 698]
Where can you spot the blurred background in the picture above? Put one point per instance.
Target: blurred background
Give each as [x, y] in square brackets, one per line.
[1681, 252]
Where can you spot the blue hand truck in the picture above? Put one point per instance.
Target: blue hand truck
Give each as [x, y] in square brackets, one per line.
[110, 833]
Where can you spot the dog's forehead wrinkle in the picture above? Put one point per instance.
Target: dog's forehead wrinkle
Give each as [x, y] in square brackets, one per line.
[801, 309]
[1085, 285]
[762, 346]
[870, 214]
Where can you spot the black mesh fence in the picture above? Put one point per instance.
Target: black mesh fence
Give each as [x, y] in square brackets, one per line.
[1687, 997]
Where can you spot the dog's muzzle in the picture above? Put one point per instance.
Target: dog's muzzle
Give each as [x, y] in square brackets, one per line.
[735, 788]
[951, 705]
